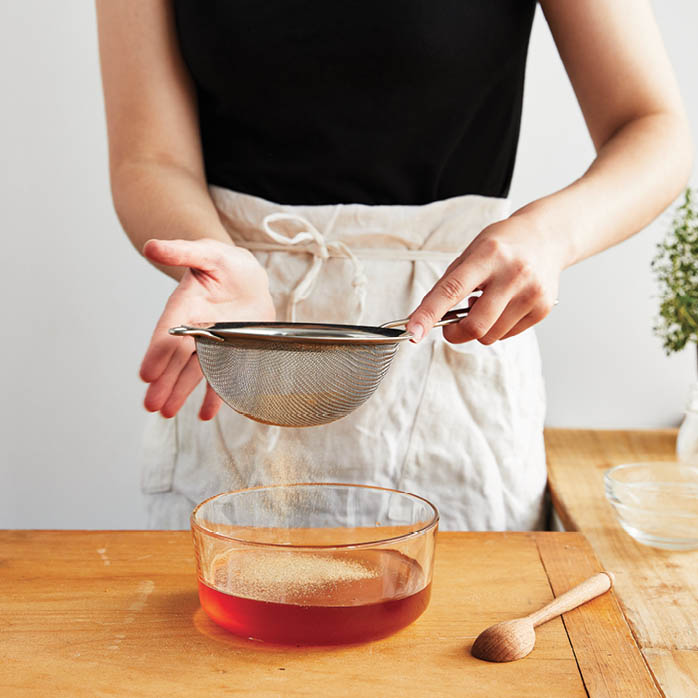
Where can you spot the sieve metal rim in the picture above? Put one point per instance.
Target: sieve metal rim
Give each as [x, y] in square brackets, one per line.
[434, 521]
[296, 333]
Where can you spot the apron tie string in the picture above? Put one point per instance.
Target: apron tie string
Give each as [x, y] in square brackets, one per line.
[321, 248]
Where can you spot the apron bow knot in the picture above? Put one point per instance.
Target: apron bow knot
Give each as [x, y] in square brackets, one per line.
[317, 244]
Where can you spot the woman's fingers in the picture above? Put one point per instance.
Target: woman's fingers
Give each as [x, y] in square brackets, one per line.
[162, 344]
[187, 379]
[521, 305]
[514, 311]
[453, 287]
[197, 254]
[159, 391]
[159, 353]
[168, 393]
[527, 321]
[156, 359]
[210, 405]
[484, 313]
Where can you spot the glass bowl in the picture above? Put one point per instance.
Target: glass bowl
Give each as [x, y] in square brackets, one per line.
[656, 503]
[318, 563]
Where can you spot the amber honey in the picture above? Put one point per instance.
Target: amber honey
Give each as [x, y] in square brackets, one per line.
[314, 598]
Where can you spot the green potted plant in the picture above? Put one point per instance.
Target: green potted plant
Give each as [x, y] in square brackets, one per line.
[676, 268]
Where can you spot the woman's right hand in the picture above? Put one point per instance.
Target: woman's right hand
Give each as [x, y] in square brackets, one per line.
[223, 283]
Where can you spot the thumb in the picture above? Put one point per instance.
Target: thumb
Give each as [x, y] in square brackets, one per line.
[196, 254]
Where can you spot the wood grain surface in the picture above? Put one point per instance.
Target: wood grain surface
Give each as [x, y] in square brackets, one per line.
[657, 589]
[562, 562]
[116, 613]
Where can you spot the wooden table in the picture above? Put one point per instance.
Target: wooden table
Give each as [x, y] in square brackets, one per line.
[116, 614]
[658, 589]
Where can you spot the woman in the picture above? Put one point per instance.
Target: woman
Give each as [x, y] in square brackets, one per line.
[386, 132]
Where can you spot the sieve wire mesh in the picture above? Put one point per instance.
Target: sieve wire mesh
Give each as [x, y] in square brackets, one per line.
[294, 384]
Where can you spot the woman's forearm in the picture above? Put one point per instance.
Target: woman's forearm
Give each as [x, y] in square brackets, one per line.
[616, 61]
[637, 173]
[155, 199]
[517, 262]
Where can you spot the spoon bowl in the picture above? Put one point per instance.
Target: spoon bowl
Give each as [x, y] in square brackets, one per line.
[506, 641]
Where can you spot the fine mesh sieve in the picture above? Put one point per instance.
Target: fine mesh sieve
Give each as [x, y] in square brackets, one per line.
[297, 374]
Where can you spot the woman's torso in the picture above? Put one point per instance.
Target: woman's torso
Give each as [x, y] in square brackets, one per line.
[390, 102]
[459, 424]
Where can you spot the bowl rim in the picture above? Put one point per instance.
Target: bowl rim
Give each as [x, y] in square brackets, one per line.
[609, 475]
[433, 522]
[680, 514]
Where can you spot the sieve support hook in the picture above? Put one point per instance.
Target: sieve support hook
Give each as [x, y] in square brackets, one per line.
[184, 331]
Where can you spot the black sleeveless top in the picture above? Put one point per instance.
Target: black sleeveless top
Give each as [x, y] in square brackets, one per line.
[366, 101]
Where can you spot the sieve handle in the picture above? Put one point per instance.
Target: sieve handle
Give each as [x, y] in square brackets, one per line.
[448, 319]
[184, 331]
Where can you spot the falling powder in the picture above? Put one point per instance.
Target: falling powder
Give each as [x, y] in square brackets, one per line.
[279, 456]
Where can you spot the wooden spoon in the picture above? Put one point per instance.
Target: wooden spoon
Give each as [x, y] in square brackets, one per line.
[514, 639]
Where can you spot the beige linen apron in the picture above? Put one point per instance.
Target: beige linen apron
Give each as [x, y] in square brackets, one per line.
[459, 424]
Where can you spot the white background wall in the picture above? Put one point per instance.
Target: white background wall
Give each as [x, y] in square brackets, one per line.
[78, 304]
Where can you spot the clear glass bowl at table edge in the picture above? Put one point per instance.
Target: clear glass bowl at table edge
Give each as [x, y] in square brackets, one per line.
[656, 502]
[375, 521]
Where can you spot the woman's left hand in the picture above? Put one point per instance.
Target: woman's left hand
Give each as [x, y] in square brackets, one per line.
[517, 267]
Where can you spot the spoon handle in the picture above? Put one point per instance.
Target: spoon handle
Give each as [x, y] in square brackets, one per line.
[588, 589]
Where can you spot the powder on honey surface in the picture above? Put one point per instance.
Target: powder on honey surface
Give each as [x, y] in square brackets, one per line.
[292, 577]
[316, 578]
